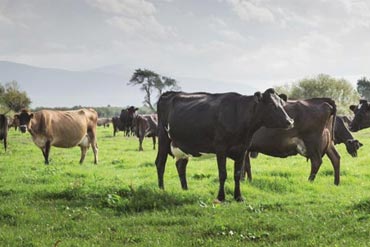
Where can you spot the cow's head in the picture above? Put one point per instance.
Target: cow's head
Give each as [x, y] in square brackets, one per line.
[24, 119]
[361, 119]
[352, 146]
[271, 110]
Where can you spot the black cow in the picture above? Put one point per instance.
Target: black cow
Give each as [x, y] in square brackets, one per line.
[223, 124]
[4, 129]
[126, 118]
[117, 125]
[311, 137]
[146, 126]
[342, 135]
[361, 119]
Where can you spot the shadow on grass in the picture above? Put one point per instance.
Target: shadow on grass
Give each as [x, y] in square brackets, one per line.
[275, 184]
[122, 200]
[363, 205]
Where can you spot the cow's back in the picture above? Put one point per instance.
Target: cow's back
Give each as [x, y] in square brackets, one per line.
[201, 121]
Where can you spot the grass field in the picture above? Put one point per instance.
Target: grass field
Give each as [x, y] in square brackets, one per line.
[117, 202]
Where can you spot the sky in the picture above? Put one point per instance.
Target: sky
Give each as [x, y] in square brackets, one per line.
[256, 43]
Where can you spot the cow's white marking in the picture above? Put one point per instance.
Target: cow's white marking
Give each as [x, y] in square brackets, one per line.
[178, 153]
[359, 106]
[301, 148]
[168, 130]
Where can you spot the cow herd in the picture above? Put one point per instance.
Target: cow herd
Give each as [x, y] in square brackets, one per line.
[228, 125]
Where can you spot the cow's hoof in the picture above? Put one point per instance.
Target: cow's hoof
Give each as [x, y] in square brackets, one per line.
[240, 199]
[216, 201]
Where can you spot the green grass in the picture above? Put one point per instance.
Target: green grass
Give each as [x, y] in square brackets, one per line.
[117, 202]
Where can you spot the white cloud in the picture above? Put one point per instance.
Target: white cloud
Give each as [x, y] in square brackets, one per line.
[249, 10]
[124, 7]
[135, 18]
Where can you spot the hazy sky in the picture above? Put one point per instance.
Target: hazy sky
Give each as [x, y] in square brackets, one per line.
[244, 41]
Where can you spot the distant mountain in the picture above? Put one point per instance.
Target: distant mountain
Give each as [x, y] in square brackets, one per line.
[98, 87]
[58, 87]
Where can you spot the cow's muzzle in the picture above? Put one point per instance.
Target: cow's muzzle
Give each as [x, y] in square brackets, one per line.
[23, 128]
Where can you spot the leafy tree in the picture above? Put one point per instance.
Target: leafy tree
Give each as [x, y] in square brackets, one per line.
[363, 87]
[12, 98]
[323, 85]
[151, 81]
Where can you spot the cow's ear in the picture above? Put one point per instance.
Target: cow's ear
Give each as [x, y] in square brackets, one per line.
[257, 97]
[352, 108]
[359, 143]
[363, 101]
[16, 116]
[136, 109]
[31, 115]
[283, 97]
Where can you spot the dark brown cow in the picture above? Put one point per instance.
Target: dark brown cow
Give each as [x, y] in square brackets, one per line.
[342, 135]
[311, 137]
[117, 125]
[146, 126]
[126, 117]
[361, 119]
[223, 124]
[4, 130]
[62, 129]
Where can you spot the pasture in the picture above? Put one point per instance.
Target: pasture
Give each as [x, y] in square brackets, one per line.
[118, 203]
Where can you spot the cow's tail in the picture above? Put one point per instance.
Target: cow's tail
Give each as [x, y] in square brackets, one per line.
[333, 115]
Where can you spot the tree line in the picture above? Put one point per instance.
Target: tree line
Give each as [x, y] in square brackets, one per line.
[13, 99]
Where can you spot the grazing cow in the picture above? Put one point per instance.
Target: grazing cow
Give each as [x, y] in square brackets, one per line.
[62, 129]
[3, 129]
[311, 137]
[361, 119]
[104, 122]
[145, 126]
[223, 124]
[342, 135]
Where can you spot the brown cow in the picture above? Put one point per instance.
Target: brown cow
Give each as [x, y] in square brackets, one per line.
[104, 122]
[62, 129]
[3, 129]
[311, 137]
[145, 126]
[13, 122]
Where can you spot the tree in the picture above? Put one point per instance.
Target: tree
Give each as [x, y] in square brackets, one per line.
[323, 85]
[12, 98]
[150, 81]
[363, 88]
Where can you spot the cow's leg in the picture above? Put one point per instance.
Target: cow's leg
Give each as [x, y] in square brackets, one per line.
[316, 162]
[46, 151]
[83, 153]
[141, 137]
[181, 170]
[334, 157]
[163, 150]
[5, 143]
[154, 141]
[237, 174]
[222, 175]
[246, 169]
[94, 144]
